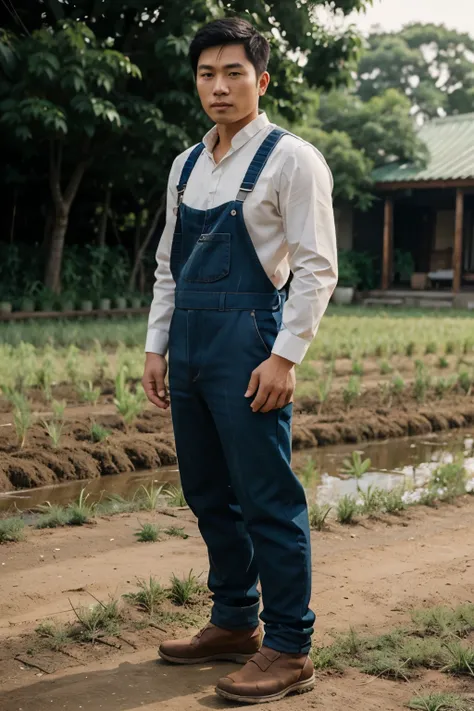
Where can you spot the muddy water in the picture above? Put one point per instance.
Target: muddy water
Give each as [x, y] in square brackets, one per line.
[392, 462]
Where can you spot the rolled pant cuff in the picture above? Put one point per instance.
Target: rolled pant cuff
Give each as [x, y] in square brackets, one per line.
[235, 618]
[286, 646]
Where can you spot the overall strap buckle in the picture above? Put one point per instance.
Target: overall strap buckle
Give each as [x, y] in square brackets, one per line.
[187, 170]
[258, 163]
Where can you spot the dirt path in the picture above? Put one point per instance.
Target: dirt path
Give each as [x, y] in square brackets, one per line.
[366, 576]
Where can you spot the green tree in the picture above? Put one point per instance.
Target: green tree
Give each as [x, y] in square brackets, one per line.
[432, 65]
[102, 93]
[68, 93]
[356, 137]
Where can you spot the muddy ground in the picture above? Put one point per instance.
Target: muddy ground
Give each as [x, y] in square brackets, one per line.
[367, 577]
[148, 443]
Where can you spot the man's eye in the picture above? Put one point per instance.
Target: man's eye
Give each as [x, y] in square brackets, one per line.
[234, 74]
[206, 75]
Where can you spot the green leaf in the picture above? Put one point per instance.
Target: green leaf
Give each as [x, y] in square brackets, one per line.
[23, 132]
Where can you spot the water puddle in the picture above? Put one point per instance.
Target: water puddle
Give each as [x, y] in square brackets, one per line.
[393, 462]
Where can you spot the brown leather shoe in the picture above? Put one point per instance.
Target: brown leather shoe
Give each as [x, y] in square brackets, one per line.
[213, 644]
[268, 676]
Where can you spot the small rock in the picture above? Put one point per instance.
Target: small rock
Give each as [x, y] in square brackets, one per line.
[112, 539]
[57, 549]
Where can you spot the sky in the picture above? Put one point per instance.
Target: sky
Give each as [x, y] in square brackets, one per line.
[392, 14]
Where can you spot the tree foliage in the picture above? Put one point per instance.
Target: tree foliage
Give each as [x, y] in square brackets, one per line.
[97, 96]
[432, 65]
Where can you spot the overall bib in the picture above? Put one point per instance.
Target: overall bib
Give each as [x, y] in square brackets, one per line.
[235, 464]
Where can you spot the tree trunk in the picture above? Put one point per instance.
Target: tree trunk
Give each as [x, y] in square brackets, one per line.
[141, 250]
[62, 207]
[105, 217]
[53, 266]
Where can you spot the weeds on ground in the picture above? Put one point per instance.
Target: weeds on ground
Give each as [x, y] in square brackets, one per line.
[352, 391]
[97, 621]
[323, 387]
[444, 621]
[422, 381]
[399, 654]
[12, 529]
[461, 659]
[148, 533]
[393, 501]
[318, 515]
[129, 404]
[357, 367]
[115, 504]
[87, 393]
[148, 497]
[448, 481]
[184, 591]
[80, 512]
[98, 433]
[54, 428]
[149, 596]
[176, 497]
[308, 472]
[176, 531]
[347, 509]
[439, 702]
[372, 500]
[385, 367]
[52, 516]
[22, 416]
[443, 362]
[356, 467]
[55, 633]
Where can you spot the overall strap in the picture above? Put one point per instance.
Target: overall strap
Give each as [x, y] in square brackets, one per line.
[188, 169]
[258, 163]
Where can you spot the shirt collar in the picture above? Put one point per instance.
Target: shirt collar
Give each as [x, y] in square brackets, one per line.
[240, 138]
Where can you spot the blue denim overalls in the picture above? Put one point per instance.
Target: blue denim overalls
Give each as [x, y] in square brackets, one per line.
[234, 463]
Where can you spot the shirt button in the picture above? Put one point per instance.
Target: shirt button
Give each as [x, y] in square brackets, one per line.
[233, 213]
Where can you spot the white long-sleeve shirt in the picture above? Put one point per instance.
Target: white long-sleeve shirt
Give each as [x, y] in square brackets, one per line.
[290, 219]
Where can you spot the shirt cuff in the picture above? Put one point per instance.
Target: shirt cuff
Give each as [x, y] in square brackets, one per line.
[291, 347]
[156, 341]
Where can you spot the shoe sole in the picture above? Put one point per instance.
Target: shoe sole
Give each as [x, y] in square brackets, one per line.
[300, 687]
[237, 658]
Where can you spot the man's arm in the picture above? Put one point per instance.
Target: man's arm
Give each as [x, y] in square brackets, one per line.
[308, 217]
[162, 306]
[306, 207]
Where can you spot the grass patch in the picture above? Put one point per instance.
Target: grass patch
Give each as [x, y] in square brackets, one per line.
[80, 512]
[176, 497]
[12, 530]
[148, 533]
[56, 634]
[184, 591]
[439, 702]
[429, 643]
[116, 504]
[149, 596]
[347, 509]
[102, 619]
[52, 516]
[176, 531]
[148, 497]
[98, 433]
[318, 515]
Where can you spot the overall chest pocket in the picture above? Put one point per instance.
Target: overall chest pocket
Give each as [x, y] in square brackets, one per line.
[210, 259]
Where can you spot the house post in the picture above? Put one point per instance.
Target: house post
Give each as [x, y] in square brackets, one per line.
[458, 230]
[387, 243]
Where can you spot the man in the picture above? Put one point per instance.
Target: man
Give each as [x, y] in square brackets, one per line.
[246, 206]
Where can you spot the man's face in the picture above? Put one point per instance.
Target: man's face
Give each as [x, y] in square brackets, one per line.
[227, 83]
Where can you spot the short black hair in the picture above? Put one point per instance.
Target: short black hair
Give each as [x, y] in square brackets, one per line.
[231, 30]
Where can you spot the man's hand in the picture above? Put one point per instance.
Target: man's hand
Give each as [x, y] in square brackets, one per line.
[153, 380]
[274, 382]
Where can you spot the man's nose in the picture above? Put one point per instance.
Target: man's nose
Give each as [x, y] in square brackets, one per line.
[220, 87]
